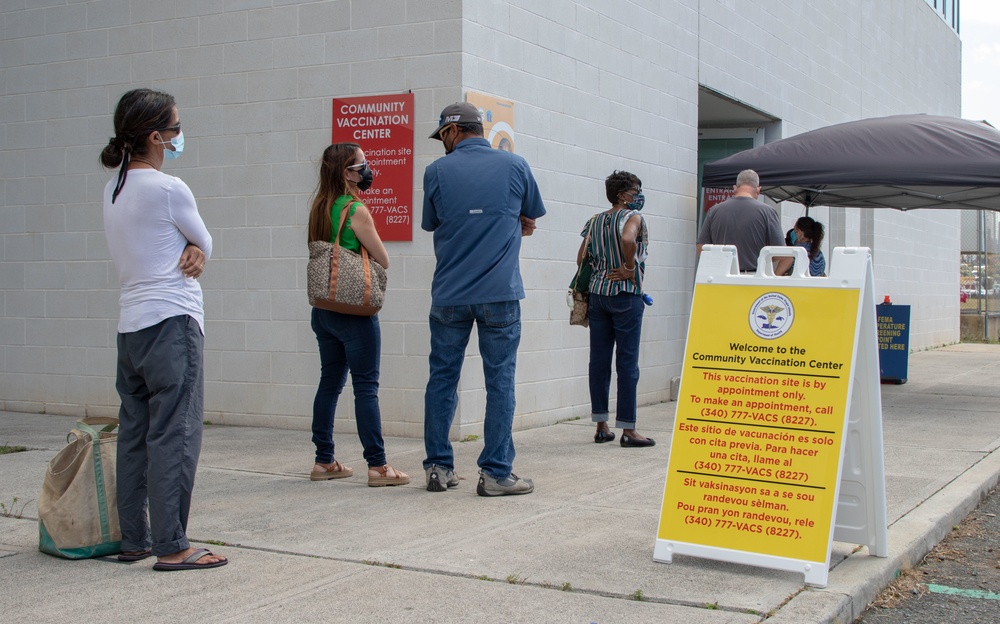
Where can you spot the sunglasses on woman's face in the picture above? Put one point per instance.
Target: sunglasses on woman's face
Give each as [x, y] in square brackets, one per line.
[359, 166]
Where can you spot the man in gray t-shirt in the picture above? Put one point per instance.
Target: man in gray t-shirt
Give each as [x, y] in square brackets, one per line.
[742, 221]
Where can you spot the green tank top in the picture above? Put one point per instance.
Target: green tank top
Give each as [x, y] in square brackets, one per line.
[347, 239]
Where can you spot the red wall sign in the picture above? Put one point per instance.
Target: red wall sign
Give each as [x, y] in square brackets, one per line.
[713, 196]
[383, 126]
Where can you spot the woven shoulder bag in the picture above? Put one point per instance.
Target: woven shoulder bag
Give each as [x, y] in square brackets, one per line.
[341, 280]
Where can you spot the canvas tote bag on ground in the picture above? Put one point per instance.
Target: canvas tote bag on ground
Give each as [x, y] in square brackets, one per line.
[342, 281]
[77, 508]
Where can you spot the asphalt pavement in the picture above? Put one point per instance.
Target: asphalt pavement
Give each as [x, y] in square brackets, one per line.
[578, 549]
[958, 581]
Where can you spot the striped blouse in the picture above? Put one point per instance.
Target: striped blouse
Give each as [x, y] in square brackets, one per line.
[817, 265]
[606, 253]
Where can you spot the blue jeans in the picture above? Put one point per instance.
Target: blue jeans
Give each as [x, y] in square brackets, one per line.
[347, 342]
[499, 328]
[162, 386]
[615, 325]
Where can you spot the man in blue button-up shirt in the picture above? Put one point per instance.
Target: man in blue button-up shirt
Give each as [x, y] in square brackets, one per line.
[479, 202]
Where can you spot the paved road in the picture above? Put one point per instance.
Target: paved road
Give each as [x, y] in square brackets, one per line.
[958, 581]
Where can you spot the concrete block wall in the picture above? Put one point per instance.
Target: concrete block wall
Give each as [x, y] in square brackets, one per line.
[918, 269]
[812, 64]
[254, 83]
[597, 86]
[916, 253]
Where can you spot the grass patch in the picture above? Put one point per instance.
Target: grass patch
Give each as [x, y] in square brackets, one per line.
[516, 579]
[14, 510]
[470, 438]
[906, 585]
[7, 449]
[638, 596]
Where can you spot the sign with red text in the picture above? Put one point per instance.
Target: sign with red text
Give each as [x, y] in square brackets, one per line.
[713, 196]
[762, 418]
[383, 126]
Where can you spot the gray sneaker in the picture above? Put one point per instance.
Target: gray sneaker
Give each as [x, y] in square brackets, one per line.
[439, 478]
[488, 486]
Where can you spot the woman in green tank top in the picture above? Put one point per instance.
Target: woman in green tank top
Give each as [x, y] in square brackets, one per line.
[348, 343]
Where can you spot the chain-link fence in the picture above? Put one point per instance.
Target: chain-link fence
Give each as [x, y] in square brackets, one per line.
[979, 284]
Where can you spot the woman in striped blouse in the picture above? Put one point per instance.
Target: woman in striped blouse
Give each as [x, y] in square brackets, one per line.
[615, 244]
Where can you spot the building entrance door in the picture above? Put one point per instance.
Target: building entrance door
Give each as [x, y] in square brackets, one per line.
[709, 150]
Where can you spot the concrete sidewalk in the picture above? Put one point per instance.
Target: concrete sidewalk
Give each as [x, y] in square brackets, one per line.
[579, 549]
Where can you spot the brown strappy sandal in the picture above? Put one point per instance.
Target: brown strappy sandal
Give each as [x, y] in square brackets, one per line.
[336, 470]
[384, 479]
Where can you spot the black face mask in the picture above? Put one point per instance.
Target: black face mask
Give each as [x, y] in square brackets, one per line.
[367, 175]
[447, 149]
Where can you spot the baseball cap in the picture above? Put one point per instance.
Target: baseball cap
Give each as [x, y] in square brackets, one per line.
[459, 112]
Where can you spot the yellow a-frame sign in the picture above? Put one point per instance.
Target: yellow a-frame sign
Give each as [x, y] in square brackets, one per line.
[777, 443]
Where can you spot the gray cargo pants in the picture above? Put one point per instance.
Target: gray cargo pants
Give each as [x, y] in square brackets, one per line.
[162, 386]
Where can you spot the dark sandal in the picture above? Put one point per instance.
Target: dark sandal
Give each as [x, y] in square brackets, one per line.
[604, 436]
[630, 442]
[135, 555]
[190, 562]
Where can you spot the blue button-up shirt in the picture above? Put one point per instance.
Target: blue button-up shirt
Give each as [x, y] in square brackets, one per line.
[473, 200]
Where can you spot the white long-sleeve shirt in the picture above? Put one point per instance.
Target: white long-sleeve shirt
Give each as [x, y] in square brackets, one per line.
[149, 225]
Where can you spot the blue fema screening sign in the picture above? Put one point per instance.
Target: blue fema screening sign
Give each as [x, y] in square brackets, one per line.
[893, 342]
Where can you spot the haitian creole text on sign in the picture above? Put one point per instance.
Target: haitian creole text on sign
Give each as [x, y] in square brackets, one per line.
[758, 437]
[383, 126]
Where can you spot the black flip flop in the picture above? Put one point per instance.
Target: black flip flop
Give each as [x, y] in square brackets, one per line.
[190, 562]
[138, 555]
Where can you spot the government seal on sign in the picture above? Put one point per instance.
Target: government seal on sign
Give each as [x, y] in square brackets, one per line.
[771, 315]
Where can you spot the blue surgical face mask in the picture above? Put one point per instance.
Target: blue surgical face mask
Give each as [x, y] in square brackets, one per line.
[178, 144]
[638, 201]
[793, 237]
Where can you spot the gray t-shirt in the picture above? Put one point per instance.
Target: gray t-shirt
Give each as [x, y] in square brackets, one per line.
[744, 222]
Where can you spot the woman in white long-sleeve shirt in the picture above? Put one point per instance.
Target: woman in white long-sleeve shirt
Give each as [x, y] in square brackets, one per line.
[159, 245]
